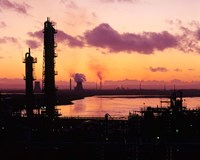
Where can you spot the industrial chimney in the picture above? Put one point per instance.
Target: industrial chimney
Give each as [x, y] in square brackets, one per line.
[70, 84]
[29, 78]
[49, 68]
[100, 85]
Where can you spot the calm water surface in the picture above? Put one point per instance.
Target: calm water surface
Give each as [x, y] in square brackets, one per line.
[120, 106]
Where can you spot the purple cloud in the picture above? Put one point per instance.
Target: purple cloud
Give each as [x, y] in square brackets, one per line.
[188, 40]
[104, 36]
[61, 36]
[189, 36]
[17, 7]
[8, 39]
[33, 44]
[71, 41]
[2, 40]
[158, 69]
[37, 34]
[198, 34]
[2, 24]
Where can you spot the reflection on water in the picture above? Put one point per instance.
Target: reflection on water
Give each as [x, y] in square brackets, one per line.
[116, 106]
[79, 107]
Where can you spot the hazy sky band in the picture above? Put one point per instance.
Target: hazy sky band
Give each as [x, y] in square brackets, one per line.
[117, 39]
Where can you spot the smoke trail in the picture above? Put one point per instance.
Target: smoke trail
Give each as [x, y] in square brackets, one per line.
[98, 68]
[99, 75]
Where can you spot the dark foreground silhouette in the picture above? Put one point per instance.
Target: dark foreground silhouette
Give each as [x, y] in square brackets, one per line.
[154, 133]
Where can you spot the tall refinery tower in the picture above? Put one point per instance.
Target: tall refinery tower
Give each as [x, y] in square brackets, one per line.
[49, 73]
[29, 78]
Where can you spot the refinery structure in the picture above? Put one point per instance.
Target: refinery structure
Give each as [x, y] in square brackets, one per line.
[157, 133]
[48, 81]
[29, 78]
[49, 72]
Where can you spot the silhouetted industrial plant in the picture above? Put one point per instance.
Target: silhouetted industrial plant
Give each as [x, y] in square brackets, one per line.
[31, 127]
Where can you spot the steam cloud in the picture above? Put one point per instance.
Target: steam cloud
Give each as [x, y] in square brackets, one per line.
[79, 77]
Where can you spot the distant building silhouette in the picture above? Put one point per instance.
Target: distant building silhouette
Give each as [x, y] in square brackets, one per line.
[37, 88]
[79, 86]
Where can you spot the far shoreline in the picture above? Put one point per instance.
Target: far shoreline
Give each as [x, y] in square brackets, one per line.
[65, 97]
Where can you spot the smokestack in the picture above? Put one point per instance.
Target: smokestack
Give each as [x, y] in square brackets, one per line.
[99, 75]
[100, 85]
[70, 84]
[96, 86]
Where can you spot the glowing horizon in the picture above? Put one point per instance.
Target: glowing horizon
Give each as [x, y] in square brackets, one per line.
[130, 39]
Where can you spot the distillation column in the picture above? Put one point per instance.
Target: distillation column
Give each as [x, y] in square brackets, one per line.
[29, 78]
[49, 73]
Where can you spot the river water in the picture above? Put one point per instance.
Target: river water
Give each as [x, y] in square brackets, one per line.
[119, 106]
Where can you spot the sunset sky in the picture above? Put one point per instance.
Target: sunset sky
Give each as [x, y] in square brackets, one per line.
[141, 40]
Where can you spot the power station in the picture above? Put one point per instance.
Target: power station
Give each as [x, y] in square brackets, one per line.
[49, 72]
